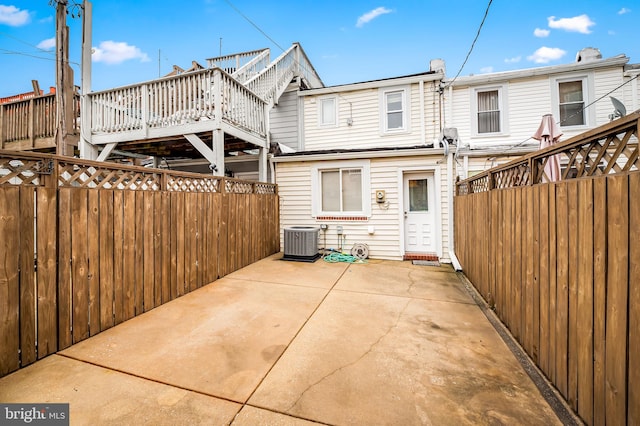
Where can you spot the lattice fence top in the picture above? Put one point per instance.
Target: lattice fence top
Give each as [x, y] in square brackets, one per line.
[612, 148]
[28, 169]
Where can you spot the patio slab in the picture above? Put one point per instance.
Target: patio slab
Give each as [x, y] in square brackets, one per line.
[219, 340]
[289, 343]
[379, 359]
[100, 396]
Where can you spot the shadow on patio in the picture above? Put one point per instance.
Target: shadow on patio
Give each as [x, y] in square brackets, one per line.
[294, 343]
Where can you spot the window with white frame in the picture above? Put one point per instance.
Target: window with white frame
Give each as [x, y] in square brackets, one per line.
[341, 189]
[571, 103]
[489, 110]
[570, 97]
[394, 110]
[327, 112]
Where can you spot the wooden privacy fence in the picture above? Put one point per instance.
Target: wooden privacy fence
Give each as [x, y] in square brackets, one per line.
[86, 245]
[560, 265]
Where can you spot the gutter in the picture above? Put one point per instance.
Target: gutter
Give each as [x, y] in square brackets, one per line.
[452, 255]
[409, 152]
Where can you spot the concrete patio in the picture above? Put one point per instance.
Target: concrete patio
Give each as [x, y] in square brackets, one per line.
[290, 343]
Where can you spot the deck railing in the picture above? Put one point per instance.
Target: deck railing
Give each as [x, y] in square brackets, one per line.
[559, 263]
[86, 245]
[272, 81]
[234, 62]
[199, 96]
[31, 123]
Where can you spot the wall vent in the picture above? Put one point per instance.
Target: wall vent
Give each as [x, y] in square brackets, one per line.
[301, 243]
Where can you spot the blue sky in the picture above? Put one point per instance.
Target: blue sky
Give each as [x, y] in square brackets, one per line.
[347, 41]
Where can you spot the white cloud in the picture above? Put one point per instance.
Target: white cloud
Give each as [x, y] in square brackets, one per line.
[513, 60]
[544, 55]
[486, 70]
[577, 24]
[370, 16]
[623, 11]
[539, 32]
[113, 52]
[47, 44]
[11, 15]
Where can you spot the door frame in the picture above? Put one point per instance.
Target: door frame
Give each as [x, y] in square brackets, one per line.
[437, 186]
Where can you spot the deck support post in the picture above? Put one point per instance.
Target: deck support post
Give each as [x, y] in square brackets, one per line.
[214, 155]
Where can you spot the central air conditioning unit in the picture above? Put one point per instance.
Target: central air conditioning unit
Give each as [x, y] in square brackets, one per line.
[301, 243]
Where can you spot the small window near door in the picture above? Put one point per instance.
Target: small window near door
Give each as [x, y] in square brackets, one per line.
[418, 195]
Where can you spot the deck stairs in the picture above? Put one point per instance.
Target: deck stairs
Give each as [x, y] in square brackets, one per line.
[202, 113]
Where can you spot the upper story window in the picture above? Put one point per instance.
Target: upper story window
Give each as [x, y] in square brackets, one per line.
[489, 110]
[571, 103]
[394, 110]
[327, 115]
[570, 96]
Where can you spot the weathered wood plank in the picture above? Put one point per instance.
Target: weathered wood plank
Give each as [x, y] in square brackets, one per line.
[191, 227]
[79, 262]
[65, 299]
[553, 277]
[26, 250]
[633, 416]
[573, 232]
[518, 279]
[599, 298]
[527, 245]
[223, 246]
[180, 220]
[9, 289]
[543, 278]
[166, 247]
[93, 262]
[47, 244]
[584, 313]
[148, 295]
[107, 282]
[130, 264]
[118, 258]
[562, 289]
[535, 208]
[157, 247]
[215, 213]
[139, 253]
[617, 299]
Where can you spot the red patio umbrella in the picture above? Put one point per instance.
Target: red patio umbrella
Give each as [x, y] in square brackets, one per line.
[548, 134]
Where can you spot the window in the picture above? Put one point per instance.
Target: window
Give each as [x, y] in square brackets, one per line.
[394, 110]
[327, 112]
[341, 188]
[488, 112]
[571, 103]
[570, 96]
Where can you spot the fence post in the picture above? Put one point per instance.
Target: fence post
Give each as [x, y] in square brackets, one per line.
[31, 128]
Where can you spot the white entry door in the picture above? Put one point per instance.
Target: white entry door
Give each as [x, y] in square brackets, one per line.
[419, 213]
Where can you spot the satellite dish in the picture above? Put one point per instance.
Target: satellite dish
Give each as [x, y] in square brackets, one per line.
[618, 108]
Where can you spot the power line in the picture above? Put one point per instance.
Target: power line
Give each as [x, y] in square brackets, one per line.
[254, 24]
[27, 43]
[13, 52]
[486, 12]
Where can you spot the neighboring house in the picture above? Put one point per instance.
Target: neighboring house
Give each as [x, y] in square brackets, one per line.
[496, 114]
[371, 166]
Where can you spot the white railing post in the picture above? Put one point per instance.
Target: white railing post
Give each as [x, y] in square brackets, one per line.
[217, 101]
[145, 109]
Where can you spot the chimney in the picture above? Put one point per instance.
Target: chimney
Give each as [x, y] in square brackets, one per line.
[588, 54]
[436, 65]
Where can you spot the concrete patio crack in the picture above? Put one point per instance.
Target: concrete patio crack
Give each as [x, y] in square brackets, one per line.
[337, 370]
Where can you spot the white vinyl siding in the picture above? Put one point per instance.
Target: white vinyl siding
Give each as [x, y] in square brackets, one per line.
[294, 180]
[362, 109]
[284, 120]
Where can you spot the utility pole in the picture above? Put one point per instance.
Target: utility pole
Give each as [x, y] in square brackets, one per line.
[64, 83]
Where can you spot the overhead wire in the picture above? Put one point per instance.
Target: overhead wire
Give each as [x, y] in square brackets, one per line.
[486, 13]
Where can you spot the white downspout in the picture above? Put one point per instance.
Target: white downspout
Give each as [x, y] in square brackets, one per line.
[452, 255]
